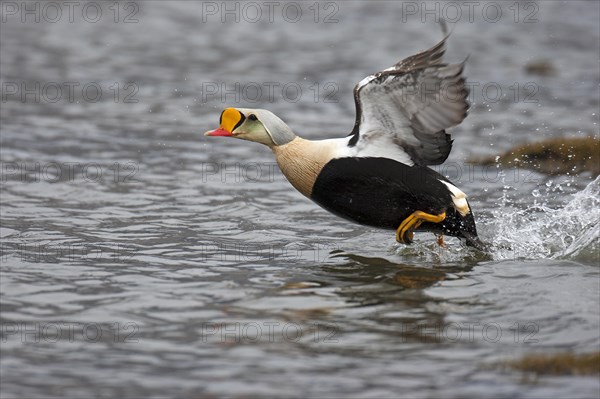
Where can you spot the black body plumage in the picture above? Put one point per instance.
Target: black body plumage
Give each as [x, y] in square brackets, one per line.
[381, 192]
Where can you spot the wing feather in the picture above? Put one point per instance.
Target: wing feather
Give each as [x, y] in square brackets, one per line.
[409, 106]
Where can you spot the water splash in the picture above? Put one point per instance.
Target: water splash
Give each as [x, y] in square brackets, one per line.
[539, 231]
[515, 229]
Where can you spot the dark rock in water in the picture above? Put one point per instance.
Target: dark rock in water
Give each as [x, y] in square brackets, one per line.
[540, 68]
[558, 364]
[555, 156]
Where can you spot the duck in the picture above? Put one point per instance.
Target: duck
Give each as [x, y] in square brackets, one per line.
[380, 174]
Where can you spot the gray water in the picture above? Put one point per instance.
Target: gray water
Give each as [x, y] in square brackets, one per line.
[142, 259]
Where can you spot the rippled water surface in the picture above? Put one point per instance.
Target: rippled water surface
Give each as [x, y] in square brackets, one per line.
[142, 259]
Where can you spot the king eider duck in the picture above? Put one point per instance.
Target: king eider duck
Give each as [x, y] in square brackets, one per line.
[378, 175]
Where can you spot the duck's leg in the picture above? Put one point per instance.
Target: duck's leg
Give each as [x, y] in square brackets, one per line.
[440, 240]
[404, 233]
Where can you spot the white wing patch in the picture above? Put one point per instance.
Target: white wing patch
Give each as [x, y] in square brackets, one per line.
[378, 148]
[459, 199]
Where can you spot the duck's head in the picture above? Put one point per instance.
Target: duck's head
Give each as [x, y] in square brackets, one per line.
[257, 125]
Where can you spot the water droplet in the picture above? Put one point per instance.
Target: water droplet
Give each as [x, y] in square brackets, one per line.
[536, 193]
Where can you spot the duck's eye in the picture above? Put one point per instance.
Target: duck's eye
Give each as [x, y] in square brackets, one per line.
[252, 117]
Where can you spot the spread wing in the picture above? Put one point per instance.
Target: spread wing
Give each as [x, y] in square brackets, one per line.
[403, 111]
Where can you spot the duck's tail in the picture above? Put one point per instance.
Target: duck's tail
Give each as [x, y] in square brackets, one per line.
[464, 227]
[460, 226]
